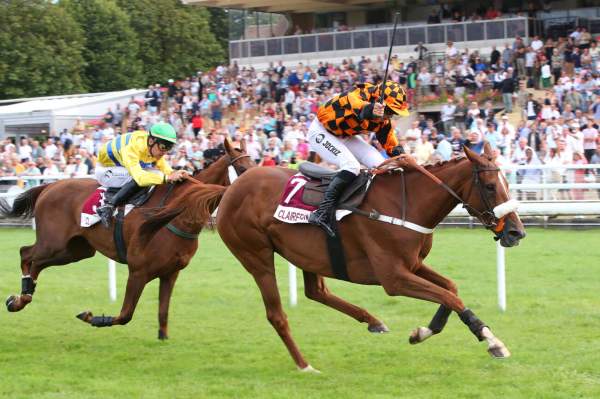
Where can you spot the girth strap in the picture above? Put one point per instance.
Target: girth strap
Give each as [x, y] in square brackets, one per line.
[119, 237]
[337, 257]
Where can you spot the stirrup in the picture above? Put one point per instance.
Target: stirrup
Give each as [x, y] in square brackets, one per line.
[106, 215]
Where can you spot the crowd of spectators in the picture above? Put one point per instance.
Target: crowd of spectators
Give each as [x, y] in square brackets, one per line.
[272, 109]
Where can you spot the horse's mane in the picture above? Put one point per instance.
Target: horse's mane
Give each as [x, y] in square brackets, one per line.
[441, 164]
[194, 204]
[408, 163]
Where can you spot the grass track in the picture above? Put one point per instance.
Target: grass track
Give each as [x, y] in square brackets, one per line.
[221, 345]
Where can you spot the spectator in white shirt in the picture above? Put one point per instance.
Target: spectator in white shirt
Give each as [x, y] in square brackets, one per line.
[78, 168]
[447, 115]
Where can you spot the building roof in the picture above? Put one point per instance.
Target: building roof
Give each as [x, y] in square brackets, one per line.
[57, 103]
[299, 6]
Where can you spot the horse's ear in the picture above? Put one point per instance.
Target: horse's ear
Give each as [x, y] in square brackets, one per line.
[487, 150]
[227, 145]
[471, 155]
[243, 146]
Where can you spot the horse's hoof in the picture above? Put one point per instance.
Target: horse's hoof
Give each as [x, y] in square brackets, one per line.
[419, 335]
[379, 328]
[10, 303]
[85, 316]
[499, 352]
[310, 369]
[162, 336]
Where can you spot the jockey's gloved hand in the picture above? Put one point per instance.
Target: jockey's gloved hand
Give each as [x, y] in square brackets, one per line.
[176, 176]
[397, 150]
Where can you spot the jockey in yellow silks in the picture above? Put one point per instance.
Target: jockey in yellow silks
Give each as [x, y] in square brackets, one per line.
[335, 136]
[134, 160]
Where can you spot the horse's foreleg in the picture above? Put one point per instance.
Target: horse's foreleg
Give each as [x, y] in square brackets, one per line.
[135, 286]
[316, 289]
[164, 298]
[408, 284]
[440, 318]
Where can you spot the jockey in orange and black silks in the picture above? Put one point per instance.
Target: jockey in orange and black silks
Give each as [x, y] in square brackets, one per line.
[336, 136]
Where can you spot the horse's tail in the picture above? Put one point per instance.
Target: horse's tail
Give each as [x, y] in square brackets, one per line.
[196, 205]
[24, 204]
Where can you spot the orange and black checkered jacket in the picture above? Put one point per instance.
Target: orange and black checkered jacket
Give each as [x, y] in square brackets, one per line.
[351, 113]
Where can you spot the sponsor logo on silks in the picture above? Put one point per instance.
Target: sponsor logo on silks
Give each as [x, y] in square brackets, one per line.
[331, 148]
[319, 138]
[108, 174]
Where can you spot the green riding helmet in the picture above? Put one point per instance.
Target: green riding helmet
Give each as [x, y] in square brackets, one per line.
[164, 131]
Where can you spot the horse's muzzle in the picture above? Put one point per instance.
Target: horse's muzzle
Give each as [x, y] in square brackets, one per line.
[511, 234]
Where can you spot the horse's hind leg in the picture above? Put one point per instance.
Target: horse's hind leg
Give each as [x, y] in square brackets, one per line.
[15, 303]
[35, 258]
[164, 298]
[438, 322]
[135, 285]
[316, 289]
[267, 283]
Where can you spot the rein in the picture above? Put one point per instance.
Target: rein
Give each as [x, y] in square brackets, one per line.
[492, 218]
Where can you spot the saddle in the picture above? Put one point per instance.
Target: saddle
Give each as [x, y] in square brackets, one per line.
[137, 199]
[320, 179]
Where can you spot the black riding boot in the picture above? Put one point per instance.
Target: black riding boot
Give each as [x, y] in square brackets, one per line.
[326, 211]
[106, 211]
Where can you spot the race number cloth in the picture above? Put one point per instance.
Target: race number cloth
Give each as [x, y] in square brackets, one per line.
[89, 217]
[291, 208]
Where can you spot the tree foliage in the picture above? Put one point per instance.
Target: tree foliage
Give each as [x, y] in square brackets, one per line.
[70, 46]
[41, 47]
[175, 39]
[111, 45]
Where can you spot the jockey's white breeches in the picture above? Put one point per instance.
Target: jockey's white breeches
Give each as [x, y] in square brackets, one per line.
[116, 176]
[112, 176]
[348, 153]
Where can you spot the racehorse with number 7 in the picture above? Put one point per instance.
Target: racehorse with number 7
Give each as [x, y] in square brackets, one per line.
[377, 253]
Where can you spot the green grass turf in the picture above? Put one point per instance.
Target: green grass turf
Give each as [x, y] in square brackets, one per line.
[221, 345]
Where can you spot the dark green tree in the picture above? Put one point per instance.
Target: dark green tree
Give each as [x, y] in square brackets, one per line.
[219, 26]
[175, 39]
[111, 45]
[41, 47]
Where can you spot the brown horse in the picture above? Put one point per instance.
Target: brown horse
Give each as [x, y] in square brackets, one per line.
[157, 253]
[376, 253]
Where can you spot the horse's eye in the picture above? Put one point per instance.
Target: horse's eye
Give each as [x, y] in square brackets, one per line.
[490, 187]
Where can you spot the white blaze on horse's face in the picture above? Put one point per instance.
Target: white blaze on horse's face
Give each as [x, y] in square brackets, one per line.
[232, 174]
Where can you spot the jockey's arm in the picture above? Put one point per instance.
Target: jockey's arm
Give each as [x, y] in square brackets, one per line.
[387, 137]
[131, 155]
[384, 134]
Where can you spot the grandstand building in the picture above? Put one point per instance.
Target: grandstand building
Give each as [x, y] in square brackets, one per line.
[309, 31]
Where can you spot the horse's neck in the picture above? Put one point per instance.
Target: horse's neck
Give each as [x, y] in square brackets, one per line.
[428, 202]
[215, 174]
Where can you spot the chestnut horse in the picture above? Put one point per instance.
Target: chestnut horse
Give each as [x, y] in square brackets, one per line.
[155, 254]
[376, 253]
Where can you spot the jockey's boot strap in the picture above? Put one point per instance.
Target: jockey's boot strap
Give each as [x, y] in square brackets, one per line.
[325, 214]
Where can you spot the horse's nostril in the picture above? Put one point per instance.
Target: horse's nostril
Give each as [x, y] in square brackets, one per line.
[516, 234]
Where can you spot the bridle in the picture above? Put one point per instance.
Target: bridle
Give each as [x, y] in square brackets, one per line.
[234, 160]
[232, 172]
[492, 218]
